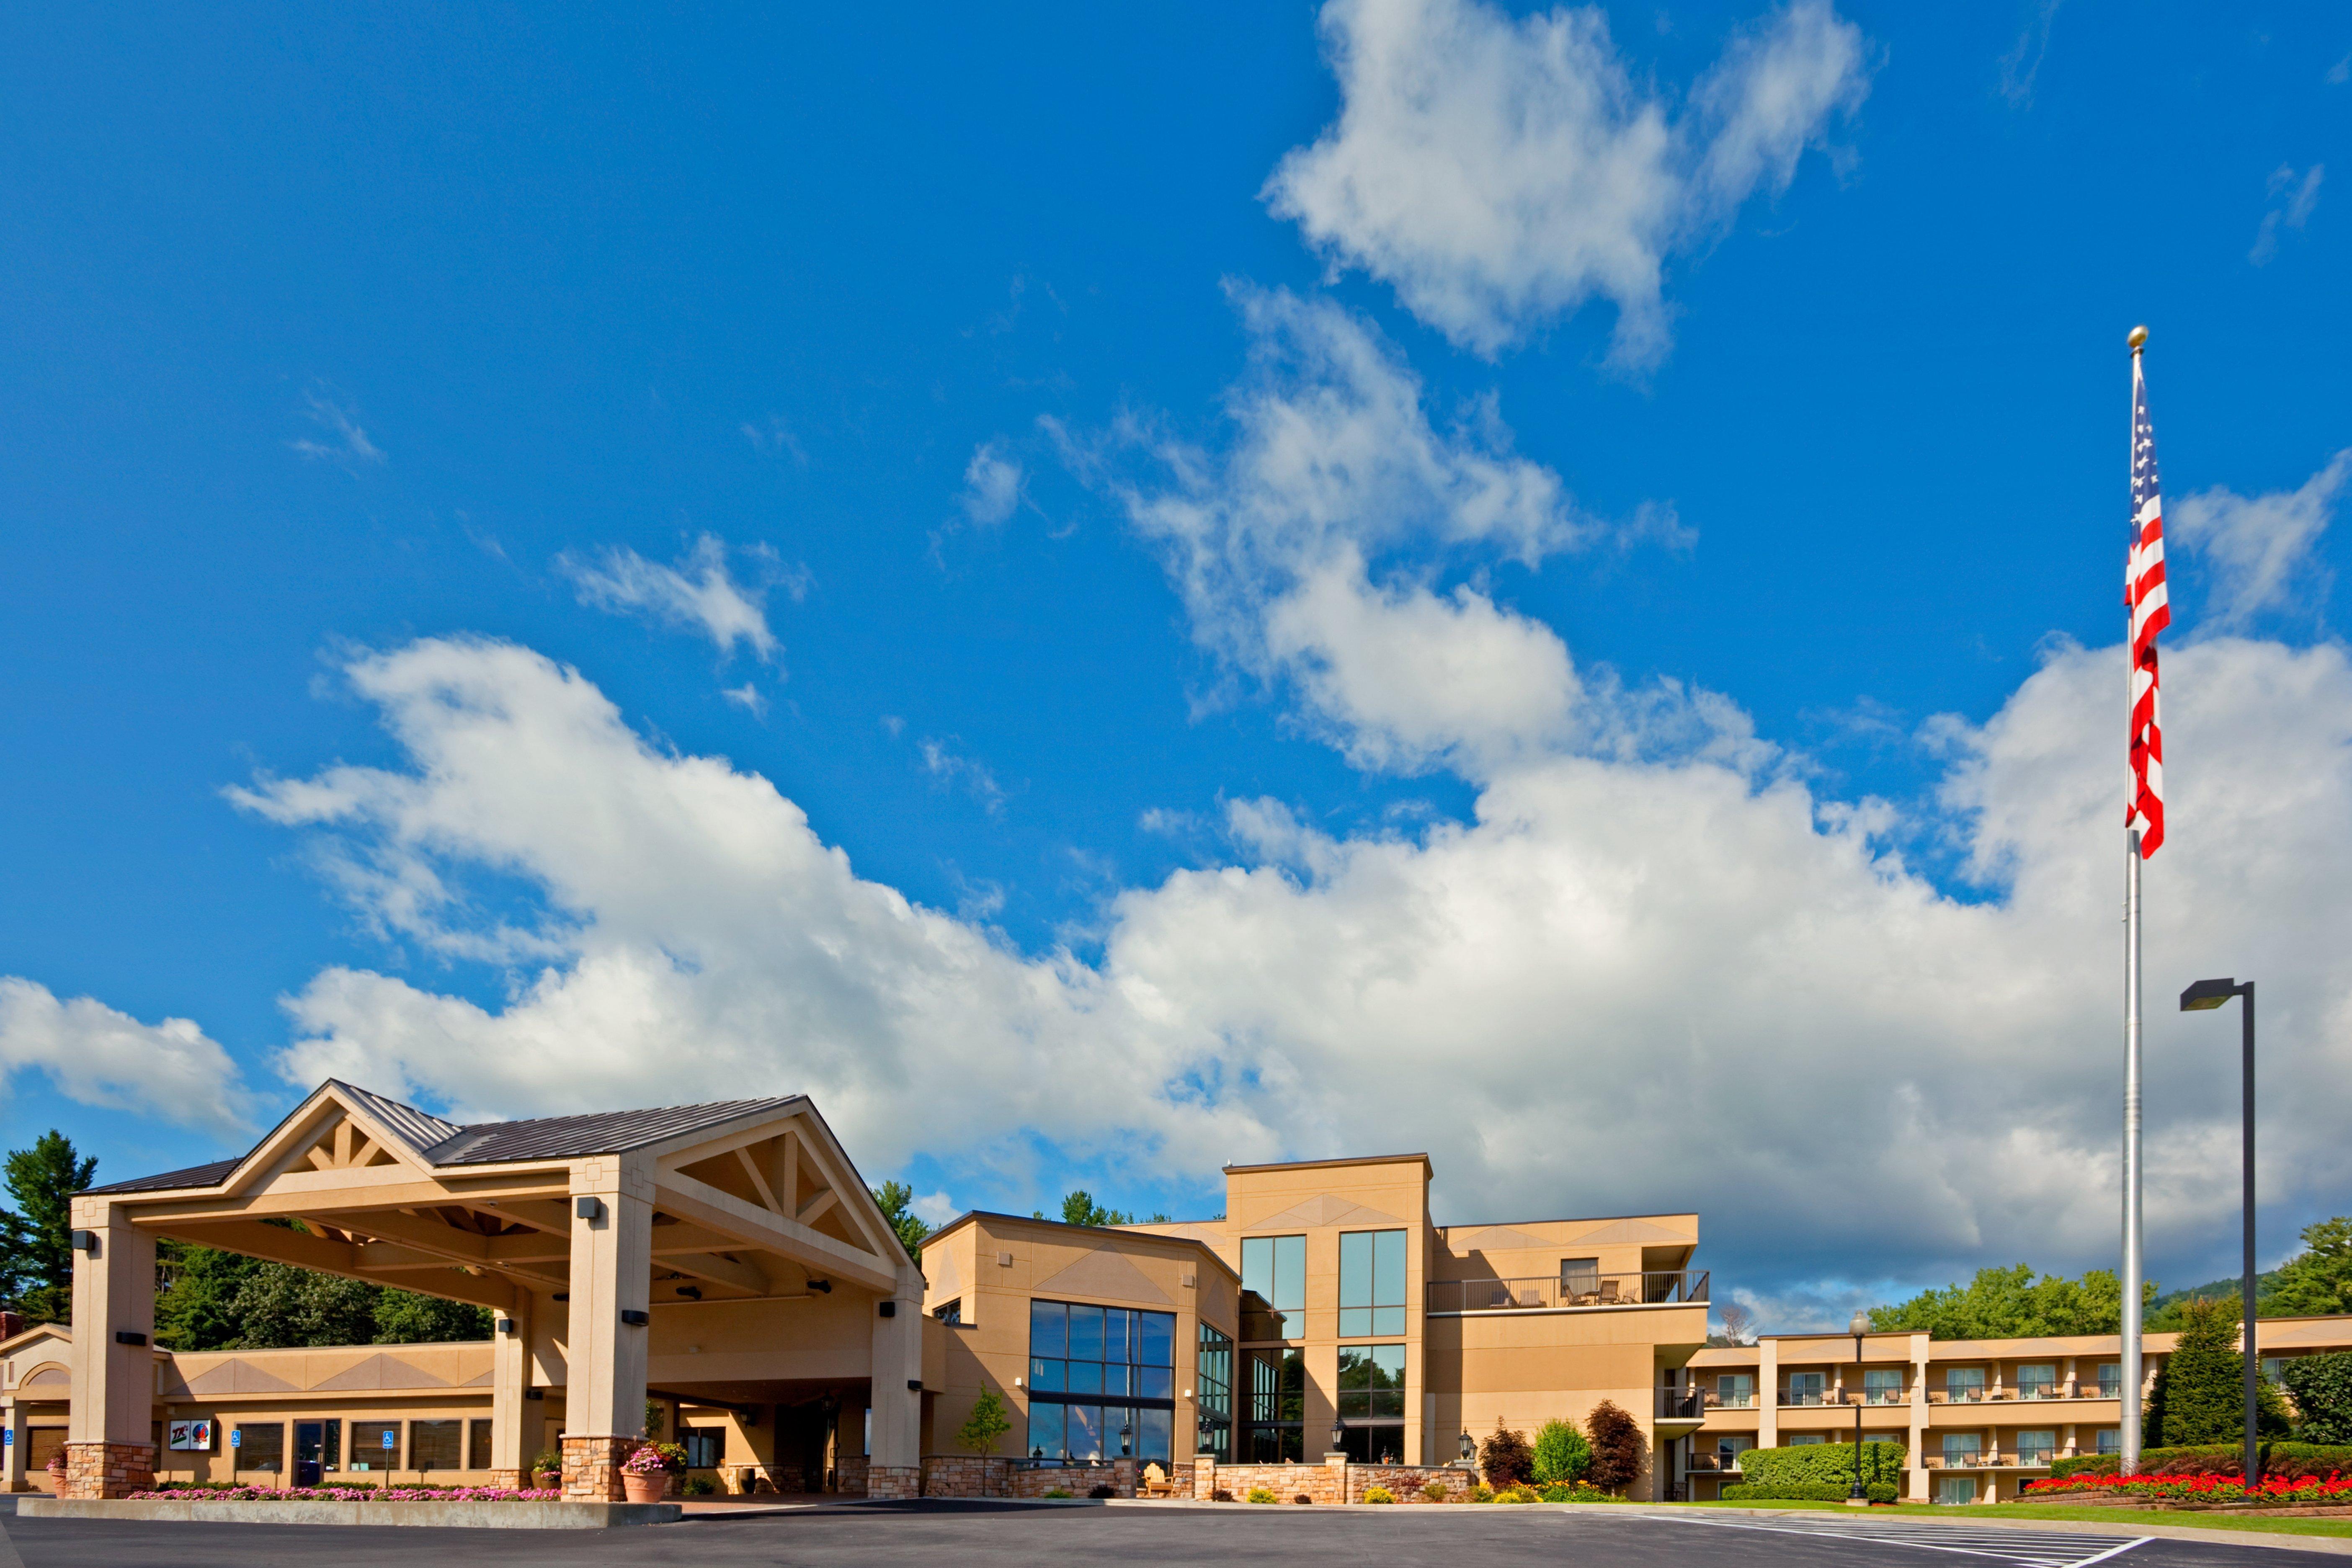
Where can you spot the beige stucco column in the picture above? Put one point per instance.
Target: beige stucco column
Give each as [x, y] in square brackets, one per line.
[12, 1420]
[1767, 1394]
[2071, 1383]
[894, 1466]
[1917, 1476]
[612, 1274]
[512, 1446]
[110, 1437]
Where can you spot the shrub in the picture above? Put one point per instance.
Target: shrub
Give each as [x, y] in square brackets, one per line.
[700, 1485]
[1880, 1491]
[1574, 1491]
[1504, 1457]
[1787, 1491]
[2322, 1386]
[1100, 1490]
[1260, 1494]
[1378, 1494]
[1435, 1492]
[1618, 1447]
[1825, 1464]
[1220, 1495]
[1303, 1498]
[1482, 1492]
[1057, 1491]
[1561, 1453]
[2217, 1459]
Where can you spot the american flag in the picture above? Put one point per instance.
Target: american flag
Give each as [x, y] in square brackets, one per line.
[2144, 595]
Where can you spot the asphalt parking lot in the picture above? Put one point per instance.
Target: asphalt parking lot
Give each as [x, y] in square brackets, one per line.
[983, 1535]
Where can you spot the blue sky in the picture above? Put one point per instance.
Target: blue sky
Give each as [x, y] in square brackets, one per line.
[973, 345]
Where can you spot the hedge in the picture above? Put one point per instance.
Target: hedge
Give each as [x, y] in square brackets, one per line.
[1823, 1463]
[2277, 1458]
[1808, 1491]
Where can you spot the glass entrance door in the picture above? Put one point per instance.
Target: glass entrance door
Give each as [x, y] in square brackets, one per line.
[318, 1448]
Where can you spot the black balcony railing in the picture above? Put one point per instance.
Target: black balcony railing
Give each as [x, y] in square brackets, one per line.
[1682, 1403]
[1554, 1293]
[1717, 1464]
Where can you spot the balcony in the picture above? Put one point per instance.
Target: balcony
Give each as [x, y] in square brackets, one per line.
[2022, 1459]
[1682, 1404]
[1712, 1464]
[1560, 1292]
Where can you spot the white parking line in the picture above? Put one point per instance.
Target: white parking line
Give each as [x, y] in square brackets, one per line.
[2028, 1548]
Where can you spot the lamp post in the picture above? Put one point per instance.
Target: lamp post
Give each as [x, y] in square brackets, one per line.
[2203, 997]
[1855, 1497]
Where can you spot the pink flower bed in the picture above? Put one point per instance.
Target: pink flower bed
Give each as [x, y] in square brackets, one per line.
[352, 1494]
[2334, 1488]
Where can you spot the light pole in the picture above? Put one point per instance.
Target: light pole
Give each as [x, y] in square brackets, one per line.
[1855, 1497]
[2203, 997]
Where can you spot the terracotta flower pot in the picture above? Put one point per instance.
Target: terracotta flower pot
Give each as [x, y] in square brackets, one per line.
[547, 1481]
[643, 1487]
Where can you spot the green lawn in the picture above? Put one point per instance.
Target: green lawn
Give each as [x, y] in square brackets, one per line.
[2122, 1517]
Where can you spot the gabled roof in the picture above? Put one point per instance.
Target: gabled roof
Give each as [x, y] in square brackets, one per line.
[438, 1143]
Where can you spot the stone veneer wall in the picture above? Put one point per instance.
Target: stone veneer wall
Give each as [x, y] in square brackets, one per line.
[968, 1476]
[1316, 1483]
[1404, 1482]
[592, 1468]
[108, 1470]
[1330, 1483]
[849, 1475]
[890, 1482]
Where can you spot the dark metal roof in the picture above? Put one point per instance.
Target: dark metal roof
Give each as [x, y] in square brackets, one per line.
[440, 1142]
[419, 1129]
[599, 1132]
[210, 1175]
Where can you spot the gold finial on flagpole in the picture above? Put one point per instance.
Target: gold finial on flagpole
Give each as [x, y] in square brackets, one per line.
[2138, 339]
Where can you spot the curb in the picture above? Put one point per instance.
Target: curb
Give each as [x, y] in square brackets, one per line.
[429, 1515]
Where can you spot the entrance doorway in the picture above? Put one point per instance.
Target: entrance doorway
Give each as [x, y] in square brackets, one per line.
[318, 1448]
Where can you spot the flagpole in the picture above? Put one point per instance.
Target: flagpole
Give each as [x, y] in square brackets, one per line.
[2134, 1262]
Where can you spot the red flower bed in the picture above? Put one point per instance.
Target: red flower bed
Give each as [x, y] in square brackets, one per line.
[2209, 1487]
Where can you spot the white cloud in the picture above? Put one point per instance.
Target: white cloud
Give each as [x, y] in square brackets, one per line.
[1499, 172]
[991, 486]
[2259, 548]
[1643, 981]
[746, 696]
[346, 443]
[99, 1056]
[2292, 197]
[2340, 72]
[935, 1209]
[949, 768]
[698, 593]
[2023, 62]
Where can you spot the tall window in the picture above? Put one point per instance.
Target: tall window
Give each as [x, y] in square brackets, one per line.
[2111, 1440]
[1276, 1268]
[375, 1444]
[1963, 1384]
[260, 1446]
[477, 1445]
[1953, 1489]
[2037, 1381]
[1277, 1408]
[1102, 1382]
[1960, 1450]
[1804, 1388]
[2111, 1380]
[1734, 1390]
[1883, 1386]
[1579, 1280]
[1372, 1403]
[2036, 1448]
[1372, 1282]
[1213, 1378]
[1728, 1449]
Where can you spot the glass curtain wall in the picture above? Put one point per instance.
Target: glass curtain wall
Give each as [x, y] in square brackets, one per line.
[1276, 1268]
[1213, 1378]
[1102, 1382]
[1372, 1403]
[1371, 1283]
[1277, 1408]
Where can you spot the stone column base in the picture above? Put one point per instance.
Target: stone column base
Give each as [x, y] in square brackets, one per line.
[514, 1479]
[108, 1470]
[592, 1468]
[887, 1481]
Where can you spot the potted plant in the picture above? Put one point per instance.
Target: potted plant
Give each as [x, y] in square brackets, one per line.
[644, 1475]
[547, 1469]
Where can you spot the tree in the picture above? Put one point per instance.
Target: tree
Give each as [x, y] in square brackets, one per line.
[1738, 1326]
[987, 1424]
[1561, 1453]
[2316, 1282]
[412, 1318]
[893, 1198]
[2322, 1386]
[1080, 1208]
[36, 1237]
[1618, 1449]
[197, 1311]
[2013, 1303]
[2199, 1392]
[1504, 1458]
[280, 1305]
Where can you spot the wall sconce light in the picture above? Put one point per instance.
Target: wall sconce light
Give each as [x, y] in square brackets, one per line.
[821, 1287]
[589, 1209]
[636, 1319]
[691, 1292]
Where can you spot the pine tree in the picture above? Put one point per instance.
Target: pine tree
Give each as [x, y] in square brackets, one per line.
[37, 1238]
[893, 1198]
[2200, 1395]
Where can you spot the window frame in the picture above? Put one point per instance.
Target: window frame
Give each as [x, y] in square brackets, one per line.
[1283, 1267]
[1373, 1304]
[1052, 1399]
